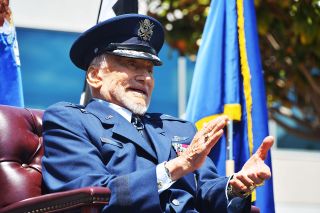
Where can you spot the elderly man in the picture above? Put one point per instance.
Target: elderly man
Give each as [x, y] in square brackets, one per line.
[150, 161]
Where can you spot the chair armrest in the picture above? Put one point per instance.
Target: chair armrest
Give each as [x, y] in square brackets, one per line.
[95, 197]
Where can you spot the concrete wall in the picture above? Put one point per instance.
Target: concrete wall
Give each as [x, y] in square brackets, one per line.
[62, 15]
[296, 187]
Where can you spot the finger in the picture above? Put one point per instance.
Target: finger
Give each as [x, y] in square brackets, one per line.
[211, 138]
[238, 187]
[214, 138]
[245, 180]
[204, 145]
[209, 135]
[220, 124]
[213, 123]
[265, 173]
[265, 147]
[255, 178]
[211, 129]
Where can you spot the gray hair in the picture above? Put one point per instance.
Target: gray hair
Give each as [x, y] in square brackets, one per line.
[99, 61]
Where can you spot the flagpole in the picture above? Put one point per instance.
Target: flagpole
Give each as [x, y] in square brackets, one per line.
[182, 70]
[99, 11]
[229, 149]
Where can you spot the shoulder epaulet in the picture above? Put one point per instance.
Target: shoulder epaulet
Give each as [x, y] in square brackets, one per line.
[72, 105]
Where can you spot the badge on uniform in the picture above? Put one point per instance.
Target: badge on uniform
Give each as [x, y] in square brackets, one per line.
[145, 31]
[179, 148]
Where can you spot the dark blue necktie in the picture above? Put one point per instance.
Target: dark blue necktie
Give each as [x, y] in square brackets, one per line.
[137, 123]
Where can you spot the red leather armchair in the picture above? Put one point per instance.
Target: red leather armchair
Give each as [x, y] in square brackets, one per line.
[21, 150]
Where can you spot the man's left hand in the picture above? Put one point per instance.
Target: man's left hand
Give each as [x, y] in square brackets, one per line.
[254, 172]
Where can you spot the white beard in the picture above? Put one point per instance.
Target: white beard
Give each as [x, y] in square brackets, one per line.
[128, 103]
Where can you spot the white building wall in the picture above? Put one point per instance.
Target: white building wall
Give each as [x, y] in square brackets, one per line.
[296, 175]
[62, 15]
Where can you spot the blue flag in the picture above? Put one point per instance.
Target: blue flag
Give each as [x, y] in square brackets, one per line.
[228, 80]
[10, 76]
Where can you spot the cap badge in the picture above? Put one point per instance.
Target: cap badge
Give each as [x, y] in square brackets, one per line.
[145, 31]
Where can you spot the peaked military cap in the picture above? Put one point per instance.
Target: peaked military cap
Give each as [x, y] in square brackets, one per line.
[129, 35]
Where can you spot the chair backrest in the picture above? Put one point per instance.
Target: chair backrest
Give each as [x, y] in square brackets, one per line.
[21, 150]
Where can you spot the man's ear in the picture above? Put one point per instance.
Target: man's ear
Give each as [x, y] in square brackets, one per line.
[93, 77]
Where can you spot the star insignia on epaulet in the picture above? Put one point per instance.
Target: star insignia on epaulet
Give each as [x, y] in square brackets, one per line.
[145, 30]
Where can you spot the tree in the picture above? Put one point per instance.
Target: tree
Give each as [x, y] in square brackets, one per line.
[5, 12]
[289, 37]
[290, 49]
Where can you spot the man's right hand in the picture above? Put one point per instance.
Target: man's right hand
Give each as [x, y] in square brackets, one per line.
[197, 151]
[254, 172]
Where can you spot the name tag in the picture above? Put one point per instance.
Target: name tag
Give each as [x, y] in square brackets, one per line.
[178, 138]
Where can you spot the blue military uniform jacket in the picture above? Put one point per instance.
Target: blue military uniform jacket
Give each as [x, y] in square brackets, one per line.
[95, 146]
